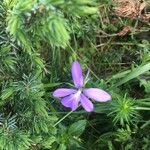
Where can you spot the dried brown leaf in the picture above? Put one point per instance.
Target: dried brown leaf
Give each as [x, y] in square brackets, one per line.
[145, 17]
[129, 8]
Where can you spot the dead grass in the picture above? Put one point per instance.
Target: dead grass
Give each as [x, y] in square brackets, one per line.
[132, 9]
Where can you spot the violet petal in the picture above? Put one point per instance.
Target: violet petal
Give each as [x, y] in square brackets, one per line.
[77, 74]
[62, 92]
[86, 103]
[97, 94]
[71, 101]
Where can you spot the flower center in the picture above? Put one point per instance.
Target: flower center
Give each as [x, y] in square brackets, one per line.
[77, 95]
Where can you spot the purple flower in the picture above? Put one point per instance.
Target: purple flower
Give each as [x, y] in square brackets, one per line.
[73, 98]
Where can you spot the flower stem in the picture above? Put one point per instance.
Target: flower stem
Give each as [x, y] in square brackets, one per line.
[62, 118]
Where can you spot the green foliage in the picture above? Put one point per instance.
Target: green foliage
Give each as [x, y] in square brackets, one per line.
[44, 21]
[39, 39]
[135, 73]
[70, 136]
[25, 80]
[7, 58]
[123, 109]
[6, 94]
[123, 135]
[10, 137]
[77, 128]
[146, 85]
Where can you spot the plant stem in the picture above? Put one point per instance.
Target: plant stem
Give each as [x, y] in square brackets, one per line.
[145, 99]
[142, 108]
[62, 118]
[144, 103]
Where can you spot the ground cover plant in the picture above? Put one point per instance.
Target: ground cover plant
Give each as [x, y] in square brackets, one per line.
[74, 75]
